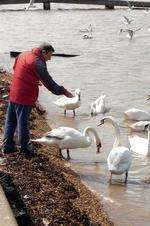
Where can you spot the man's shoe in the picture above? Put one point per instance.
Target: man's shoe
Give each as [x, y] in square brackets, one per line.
[29, 153]
[9, 151]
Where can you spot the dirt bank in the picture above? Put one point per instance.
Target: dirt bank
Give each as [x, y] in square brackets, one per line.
[51, 192]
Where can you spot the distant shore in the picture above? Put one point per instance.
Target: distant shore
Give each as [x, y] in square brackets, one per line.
[50, 190]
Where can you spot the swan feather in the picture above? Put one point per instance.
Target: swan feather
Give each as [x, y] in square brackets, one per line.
[98, 106]
[137, 114]
[139, 126]
[119, 160]
[69, 103]
[69, 138]
[138, 145]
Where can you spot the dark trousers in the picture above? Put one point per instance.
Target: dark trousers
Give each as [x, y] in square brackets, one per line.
[17, 117]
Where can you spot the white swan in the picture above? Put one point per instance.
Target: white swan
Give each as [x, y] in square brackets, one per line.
[130, 32]
[119, 159]
[140, 145]
[138, 126]
[98, 106]
[89, 29]
[70, 138]
[70, 103]
[137, 114]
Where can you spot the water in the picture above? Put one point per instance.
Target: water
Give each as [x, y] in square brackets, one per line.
[109, 63]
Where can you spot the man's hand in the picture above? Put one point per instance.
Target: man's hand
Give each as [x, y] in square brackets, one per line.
[67, 93]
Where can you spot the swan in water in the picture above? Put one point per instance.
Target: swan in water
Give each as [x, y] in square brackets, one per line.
[130, 32]
[87, 30]
[70, 138]
[138, 126]
[137, 115]
[98, 106]
[31, 4]
[70, 103]
[140, 145]
[119, 159]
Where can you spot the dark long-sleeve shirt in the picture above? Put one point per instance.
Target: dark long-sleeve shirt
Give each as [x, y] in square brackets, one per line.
[46, 78]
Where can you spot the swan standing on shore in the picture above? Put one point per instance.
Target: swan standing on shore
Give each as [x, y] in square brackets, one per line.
[137, 115]
[140, 145]
[98, 106]
[70, 103]
[70, 138]
[119, 159]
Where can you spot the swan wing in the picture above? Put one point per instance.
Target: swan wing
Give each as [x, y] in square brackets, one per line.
[138, 144]
[55, 135]
[73, 142]
[68, 103]
[101, 106]
[137, 114]
[119, 160]
[139, 126]
[70, 138]
[62, 101]
[98, 106]
[63, 131]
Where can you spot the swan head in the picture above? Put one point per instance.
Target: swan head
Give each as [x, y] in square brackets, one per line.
[148, 98]
[147, 126]
[104, 119]
[78, 93]
[99, 147]
[103, 96]
[93, 109]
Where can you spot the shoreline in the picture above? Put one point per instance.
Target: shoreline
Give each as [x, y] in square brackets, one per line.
[50, 190]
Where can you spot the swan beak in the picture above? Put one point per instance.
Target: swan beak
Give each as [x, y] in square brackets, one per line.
[79, 97]
[101, 123]
[92, 114]
[148, 98]
[99, 147]
[147, 126]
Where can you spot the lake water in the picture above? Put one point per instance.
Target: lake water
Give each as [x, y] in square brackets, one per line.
[108, 63]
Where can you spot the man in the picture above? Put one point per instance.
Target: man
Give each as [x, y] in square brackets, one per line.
[29, 70]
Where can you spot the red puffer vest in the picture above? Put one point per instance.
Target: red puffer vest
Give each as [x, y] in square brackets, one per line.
[24, 88]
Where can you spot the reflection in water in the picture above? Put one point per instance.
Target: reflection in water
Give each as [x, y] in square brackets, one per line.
[108, 64]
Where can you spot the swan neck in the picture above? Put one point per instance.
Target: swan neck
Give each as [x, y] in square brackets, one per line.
[117, 133]
[94, 132]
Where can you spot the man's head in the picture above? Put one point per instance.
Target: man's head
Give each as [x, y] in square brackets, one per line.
[47, 50]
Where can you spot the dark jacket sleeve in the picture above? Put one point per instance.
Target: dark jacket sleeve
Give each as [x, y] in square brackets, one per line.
[46, 79]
